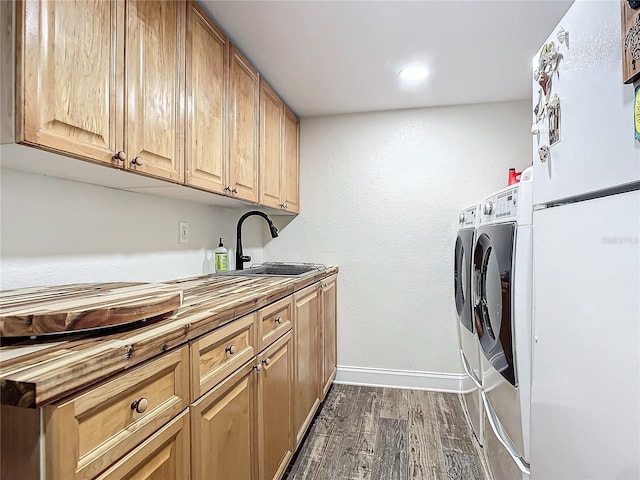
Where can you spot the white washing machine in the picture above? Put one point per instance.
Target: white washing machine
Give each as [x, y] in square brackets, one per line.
[502, 282]
[468, 340]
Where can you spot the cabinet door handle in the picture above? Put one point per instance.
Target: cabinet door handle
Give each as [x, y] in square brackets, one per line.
[231, 349]
[234, 190]
[258, 367]
[120, 156]
[137, 162]
[227, 188]
[140, 405]
[278, 320]
[266, 361]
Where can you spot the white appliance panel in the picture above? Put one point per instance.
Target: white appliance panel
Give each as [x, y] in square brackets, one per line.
[597, 149]
[585, 405]
[470, 357]
[512, 406]
[500, 463]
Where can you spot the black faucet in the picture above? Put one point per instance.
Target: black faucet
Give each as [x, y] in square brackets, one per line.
[240, 258]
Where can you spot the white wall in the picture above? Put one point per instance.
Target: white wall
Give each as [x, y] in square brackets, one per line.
[57, 231]
[380, 196]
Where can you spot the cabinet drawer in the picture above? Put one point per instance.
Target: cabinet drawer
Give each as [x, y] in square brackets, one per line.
[215, 356]
[164, 455]
[274, 320]
[89, 432]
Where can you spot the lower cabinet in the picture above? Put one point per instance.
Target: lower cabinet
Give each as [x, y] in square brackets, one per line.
[163, 456]
[256, 384]
[329, 329]
[92, 430]
[307, 358]
[275, 445]
[223, 444]
[241, 428]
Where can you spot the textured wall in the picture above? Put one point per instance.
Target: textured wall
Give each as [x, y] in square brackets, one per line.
[381, 193]
[57, 231]
[380, 197]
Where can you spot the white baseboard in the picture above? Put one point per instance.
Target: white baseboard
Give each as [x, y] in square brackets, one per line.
[410, 379]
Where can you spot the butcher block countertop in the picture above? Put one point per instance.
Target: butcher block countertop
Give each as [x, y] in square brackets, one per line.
[37, 372]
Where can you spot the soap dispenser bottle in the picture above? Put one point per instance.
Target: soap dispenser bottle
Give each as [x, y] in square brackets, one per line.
[221, 255]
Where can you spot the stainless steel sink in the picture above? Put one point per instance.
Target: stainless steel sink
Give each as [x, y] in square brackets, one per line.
[277, 270]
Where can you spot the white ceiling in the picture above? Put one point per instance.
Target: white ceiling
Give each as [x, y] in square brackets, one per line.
[329, 57]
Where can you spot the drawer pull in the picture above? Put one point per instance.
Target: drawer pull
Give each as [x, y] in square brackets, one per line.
[231, 349]
[140, 405]
[120, 156]
[278, 320]
[258, 367]
[266, 361]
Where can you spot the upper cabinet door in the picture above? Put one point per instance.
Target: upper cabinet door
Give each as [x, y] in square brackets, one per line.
[154, 73]
[68, 56]
[207, 71]
[244, 90]
[271, 112]
[291, 163]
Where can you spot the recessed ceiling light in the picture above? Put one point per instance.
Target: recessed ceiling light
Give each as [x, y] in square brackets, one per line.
[414, 74]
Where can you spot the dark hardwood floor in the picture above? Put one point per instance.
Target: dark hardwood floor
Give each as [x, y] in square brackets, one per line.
[382, 433]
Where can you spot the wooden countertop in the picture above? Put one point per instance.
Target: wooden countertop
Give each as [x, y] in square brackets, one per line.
[35, 374]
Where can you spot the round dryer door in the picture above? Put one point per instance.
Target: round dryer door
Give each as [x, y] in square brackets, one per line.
[492, 265]
[462, 277]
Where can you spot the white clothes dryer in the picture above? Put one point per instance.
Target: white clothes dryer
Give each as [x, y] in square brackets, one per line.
[468, 340]
[502, 283]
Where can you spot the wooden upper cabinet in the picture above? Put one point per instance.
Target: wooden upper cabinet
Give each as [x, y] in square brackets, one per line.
[154, 50]
[154, 87]
[206, 161]
[279, 165]
[242, 124]
[291, 162]
[69, 61]
[271, 116]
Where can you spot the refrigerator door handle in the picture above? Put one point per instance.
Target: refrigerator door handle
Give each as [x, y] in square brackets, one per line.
[502, 435]
[467, 369]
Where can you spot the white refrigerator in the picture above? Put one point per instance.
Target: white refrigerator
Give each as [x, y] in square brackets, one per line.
[585, 388]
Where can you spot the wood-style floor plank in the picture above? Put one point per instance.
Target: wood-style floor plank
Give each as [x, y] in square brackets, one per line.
[334, 416]
[309, 458]
[356, 460]
[391, 461]
[372, 433]
[425, 459]
[454, 432]
[462, 466]
[370, 399]
[394, 404]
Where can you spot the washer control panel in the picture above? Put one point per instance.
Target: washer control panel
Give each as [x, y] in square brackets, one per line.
[468, 217]
[505, 204]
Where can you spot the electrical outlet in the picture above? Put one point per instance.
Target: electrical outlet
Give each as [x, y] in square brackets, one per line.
[183, 232]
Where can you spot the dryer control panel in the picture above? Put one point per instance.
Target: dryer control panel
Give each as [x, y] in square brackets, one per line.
[468, 217]
[502, 205]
